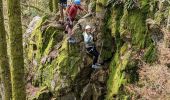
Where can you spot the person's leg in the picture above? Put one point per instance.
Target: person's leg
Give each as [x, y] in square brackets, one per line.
[66, 28]
[70, 35]
[93, 51]
[70, 27]
[69, 31]
[67, 23]
[96, 55]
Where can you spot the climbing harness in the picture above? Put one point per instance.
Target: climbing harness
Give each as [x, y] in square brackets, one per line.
[90, 49]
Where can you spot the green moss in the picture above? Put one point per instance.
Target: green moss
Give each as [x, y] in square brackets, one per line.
[111, 28]
[51, 5]
[128, 26]
[148, 40]
[36, 39]
[123, 95]
[50, 38]
[116, 77]
[100, 4]
[133, 25]
[119, 23]
[92, 6]
[5, 76]
[47, 36]
[30, 51]
[114, 21]
[66, 65]
[43, 41]
[48, 48]
[69, 59]
[144, 6]
[116, 25]
[159, 16]
[42, 94]
[55, 6]
[132, 74]
[150, 55]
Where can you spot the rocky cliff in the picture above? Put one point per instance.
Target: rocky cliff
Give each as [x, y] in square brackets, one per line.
[131, 39]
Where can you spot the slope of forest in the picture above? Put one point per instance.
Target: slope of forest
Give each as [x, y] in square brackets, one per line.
[133, 38]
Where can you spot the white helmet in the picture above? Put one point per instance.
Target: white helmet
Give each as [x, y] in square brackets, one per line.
[88, 27]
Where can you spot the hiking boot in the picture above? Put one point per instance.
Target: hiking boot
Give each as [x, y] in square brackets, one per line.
[95, 66]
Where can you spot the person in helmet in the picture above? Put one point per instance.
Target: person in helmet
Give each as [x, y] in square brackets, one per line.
[73, 9]
[62, 5]
[71, 14]
[90, 45]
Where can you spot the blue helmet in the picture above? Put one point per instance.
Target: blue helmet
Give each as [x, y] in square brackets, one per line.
[77, 2]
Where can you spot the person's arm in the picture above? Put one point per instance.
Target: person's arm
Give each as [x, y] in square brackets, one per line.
[94, 30]
[79, 7]
[68, 13]
[67, 10]
[82, 9]
[93, 34]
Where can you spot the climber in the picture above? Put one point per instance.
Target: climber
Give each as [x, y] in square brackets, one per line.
[90, 46]
[62, 4]
[71, 14]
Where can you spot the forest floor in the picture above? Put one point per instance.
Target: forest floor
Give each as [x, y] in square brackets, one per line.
[154, 80]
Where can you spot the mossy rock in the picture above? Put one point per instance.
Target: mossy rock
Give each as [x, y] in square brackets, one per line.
[131, 70]
[150, 55]
[114, 21]
[136, 27]
[92, 6]
[117, 75]
[43, 94]
[128, 27]
[67, 65]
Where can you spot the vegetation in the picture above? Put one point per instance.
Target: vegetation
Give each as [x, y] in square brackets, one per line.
[4, 64]
[132, 37]
[17, 65]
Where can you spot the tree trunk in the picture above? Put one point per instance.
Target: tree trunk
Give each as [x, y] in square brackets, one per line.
[17, 60]
[55, 6]
[50, 5]
[4, 62]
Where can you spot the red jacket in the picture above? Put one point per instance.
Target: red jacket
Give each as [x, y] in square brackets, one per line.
[72, 11]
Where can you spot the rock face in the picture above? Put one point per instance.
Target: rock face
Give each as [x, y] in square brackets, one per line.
[63, 67]
[131, 32]
[138, 30]
[31, 26]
